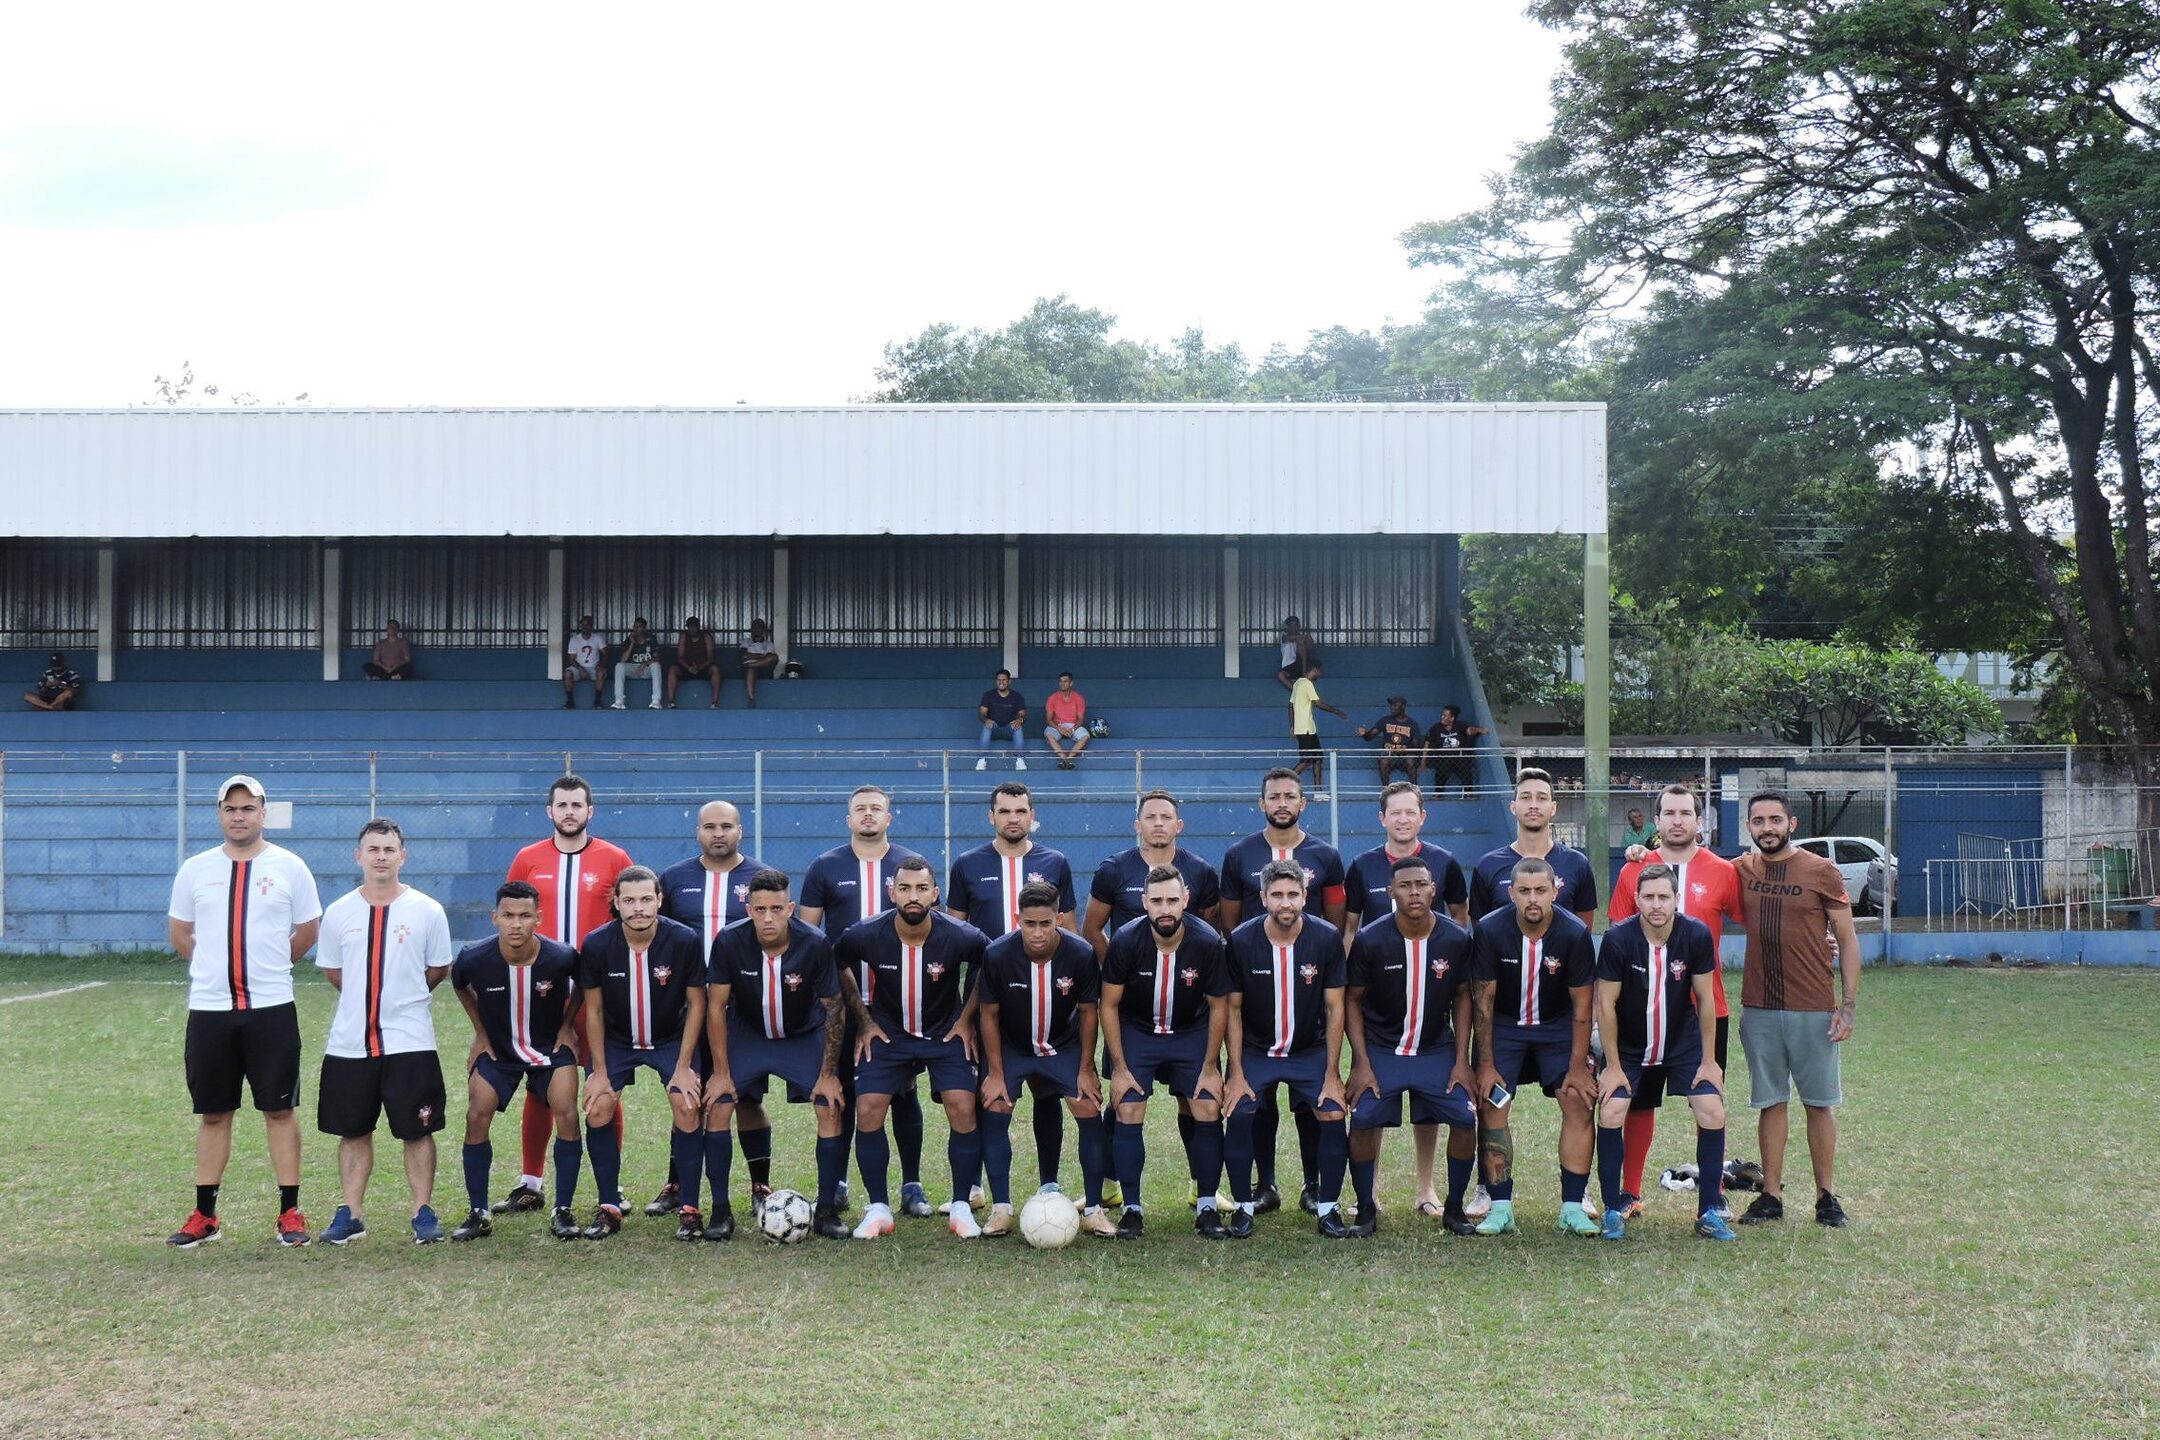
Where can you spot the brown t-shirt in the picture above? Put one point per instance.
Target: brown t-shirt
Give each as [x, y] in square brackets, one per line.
[1788, 906]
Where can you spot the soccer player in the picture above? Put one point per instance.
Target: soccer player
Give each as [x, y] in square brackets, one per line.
[1282, 802]
[710, 890]
[1038, 996]
[1791, 1020]
[385, 947]
[574, 873]
[917, 1013]
[1654, 1008]
[1533, 965]
[1114, 897]
[773, 1009]
[1165, 1005]
[1575, 883]
[644, 981]
[1709, 890]
[1406, 1009]
[520, 992]
[984, 890]
[240, 915]
[1286, 1026]
[843, 887]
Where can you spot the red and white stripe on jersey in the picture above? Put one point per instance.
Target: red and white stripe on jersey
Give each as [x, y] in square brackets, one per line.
[1654, 1008]
[568, 874]
[769, 996]
[378, 937]
[1165, 993]
[911, 983]
[715, 905]
[870, 877]
[1413, 1020]
[1012, 876]
[1284, 983]
[1039, 990]
[521, 1000]
[1531, 959]
[641, 1036]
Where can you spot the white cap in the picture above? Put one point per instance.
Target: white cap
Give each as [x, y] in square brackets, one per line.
[244, 782]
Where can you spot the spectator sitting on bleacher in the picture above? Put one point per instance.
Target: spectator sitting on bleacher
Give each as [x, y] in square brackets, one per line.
[1398, 737]
[1297, 651]
[1004, 712]
[393, 656]
[587, 660]
[759, 657]
[58, 688]
[694, 661]
[1066, 710]
[1445, 747]
[640, 659]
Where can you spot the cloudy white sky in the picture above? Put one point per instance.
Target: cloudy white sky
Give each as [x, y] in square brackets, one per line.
[450, 204]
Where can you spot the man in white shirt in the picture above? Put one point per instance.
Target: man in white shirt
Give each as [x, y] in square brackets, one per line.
[240, 915]
[584, 658]
[385, 947]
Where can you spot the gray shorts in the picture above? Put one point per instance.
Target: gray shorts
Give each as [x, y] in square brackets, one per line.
[1788, 1050]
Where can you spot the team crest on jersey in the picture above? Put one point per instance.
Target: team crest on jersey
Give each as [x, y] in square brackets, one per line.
[742, 891]
[935, 969]
[1699, 890]
[1035, 878]
[1676, 967]
[1552, 964]
[1310, 875]
[1190, 975]
[1064, 984]
[543, 987]
[400, 933]
[794, 982]
[661, 972]
[590, 879]
[1439, 969]
[1308, 973]
[264, 885]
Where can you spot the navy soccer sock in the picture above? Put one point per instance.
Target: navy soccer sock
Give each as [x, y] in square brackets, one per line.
[873, 1156]
[479, 1160]
[907, 1131]
[1611, 1160]
[1310, 1147]
[569, 1159]
[1331, 1152]
[1240, 1134]
[964, 1154]
[1261, 1151]
[1709, 1169]
[995, 1127]
[1573, 1186]
[756, 1146]
[1458, 1180]
[1049, 1136]
[831, 1167]
[1204, 1150]
[719, 1157]
[604, 1145]
[1362, 1175]
[1129, 1142]
[686, 1152]
[1094, 1158]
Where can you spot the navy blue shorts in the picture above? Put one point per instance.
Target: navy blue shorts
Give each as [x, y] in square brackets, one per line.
[892, 1066]
[1534, 1052]
[623, 1064]
[1648, 1085]
[1304, 1072]
[1175, 1060]
[753, 1059]
[1424, 1078]
[503, 1076]
[1060, 1074]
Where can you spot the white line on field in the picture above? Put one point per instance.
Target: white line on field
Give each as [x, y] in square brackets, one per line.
[49, 994]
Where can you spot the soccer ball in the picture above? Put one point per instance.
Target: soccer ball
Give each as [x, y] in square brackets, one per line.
[1099, 728]
[1049, 1221]
[784, 1218]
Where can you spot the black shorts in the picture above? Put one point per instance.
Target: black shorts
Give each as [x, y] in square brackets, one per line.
[357, 1090]
[223, 1046]
[1308, 747]
[1642, 1102]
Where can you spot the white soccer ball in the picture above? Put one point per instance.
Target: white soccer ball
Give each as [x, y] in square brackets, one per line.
[1049, 1221]
[785, 1217]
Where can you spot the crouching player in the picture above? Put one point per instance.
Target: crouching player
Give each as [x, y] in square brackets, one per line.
[520, 992]
[1039, 996]
[1406, 1012]
[1654, 997]
[772, 1009]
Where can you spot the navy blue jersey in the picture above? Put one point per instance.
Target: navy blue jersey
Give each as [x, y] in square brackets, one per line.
[1532, 978]
[1656, 1005]
[1167, 994]
[1121, 883]
[1576, 882]
[521, 1006]
[916, 990]
[1285, 986]
[776, 995]
[1365, 891]
[1243, 862]
[846, 889]
[644, 995]
[1038, 1005]
[1409, 985]
[985, 885]
[706, 902]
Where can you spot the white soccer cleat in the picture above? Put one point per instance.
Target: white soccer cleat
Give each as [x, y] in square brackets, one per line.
[978, 1197]
[1478, 1203]
[962, 1221]
[877, 1221]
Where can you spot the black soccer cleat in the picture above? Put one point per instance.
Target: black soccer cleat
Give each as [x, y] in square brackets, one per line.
[1335, 1227]
[667, 1202]
[689, 1224]
[606, 1221]
[1763, 1209]
[473, 1226]
[1308, 1200]
[1130, 1225]
[1268, 1201]
[1829, 1212]
[521, 1199]
[1208, 1225]
[1239, 1226]
[827, 1222]
[1368, 1218]
[563, 1224]
[1454, 1221]
[722, 1224]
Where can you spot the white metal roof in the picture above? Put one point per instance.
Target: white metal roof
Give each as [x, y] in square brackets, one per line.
[844, 470]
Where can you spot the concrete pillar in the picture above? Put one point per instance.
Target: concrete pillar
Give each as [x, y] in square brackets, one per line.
[108, 611]
[1231, 604]
[1597, 709]
[558, 623]
[782, 606]
[1011, 606]
[332, 628]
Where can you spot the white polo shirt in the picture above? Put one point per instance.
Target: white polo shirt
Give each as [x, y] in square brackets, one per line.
[384, 1004]
[244, 913]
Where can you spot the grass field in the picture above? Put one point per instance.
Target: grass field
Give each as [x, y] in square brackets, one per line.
[1999, 1278]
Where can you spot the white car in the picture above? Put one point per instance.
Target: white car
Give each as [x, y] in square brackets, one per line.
[1870, 871]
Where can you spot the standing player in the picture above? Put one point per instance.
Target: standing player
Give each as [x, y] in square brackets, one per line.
[240, 915]
[1406, 1013]
[1039, 992]
[773, 1009]
[710, 890]
[1575, 883]
[1709, 891]
[644, 981]
[1286, 1026]
[984, 890]
[385, 947]
[1114, 898]
[843, 887]
[573, 873]
[1653, 1003]
[1533, 965]
[1791, 1020]
[1165, 1005]
[918, 1014]
[1282, 802]
[519, 991]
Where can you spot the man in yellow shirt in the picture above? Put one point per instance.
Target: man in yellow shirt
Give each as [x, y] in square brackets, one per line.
[1305, 727]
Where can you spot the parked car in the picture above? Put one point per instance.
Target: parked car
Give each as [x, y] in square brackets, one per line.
[1870, 871]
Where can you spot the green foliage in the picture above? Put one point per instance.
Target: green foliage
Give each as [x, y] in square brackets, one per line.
[1843, 694]
[1519, 615]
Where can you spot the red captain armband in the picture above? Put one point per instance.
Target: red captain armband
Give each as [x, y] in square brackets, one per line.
[1335, 895]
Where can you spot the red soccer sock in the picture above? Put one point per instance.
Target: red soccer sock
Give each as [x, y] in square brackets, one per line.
[535, 1130]
[1641, 1129]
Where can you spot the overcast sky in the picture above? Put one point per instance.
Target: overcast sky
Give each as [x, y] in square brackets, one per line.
[627, 205]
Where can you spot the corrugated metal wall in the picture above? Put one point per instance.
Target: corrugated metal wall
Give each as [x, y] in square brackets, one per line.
[1104, 591]
[220, 595]
[458, 592]
[48, 595]
[1365, 592]
[724, 583]
[896, 592]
